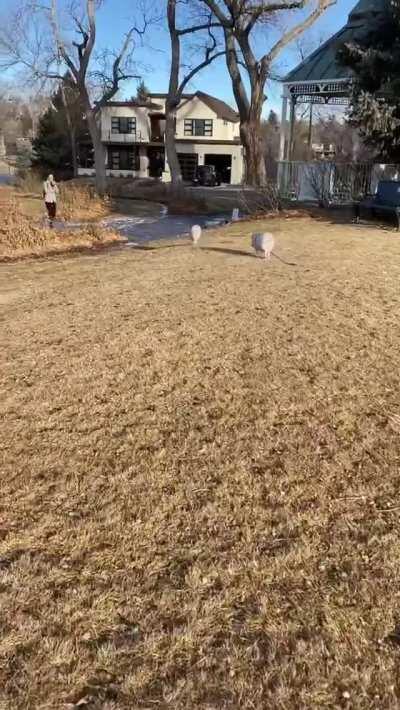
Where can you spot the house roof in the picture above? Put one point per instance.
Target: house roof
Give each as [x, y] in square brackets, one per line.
[222, 109]
[323, 64]
[136, 104]
[164, 96]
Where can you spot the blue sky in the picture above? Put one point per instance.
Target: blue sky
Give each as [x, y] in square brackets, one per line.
[114, 19]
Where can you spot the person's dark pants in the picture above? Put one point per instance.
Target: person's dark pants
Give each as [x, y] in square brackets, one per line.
[51, 210]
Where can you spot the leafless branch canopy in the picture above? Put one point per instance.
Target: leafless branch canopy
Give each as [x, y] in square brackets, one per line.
[239, 18]
[45, 39]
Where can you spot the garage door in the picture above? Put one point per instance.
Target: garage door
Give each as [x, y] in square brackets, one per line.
[188, 163]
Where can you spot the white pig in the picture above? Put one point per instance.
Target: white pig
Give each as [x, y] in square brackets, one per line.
[263, 243]
[196, 233]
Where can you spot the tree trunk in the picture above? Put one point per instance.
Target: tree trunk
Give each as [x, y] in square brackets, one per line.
[74, 153]
[170, 146]
[249, 111]
[252, 137]
[99, 152]
[173, 95]
[254, 158]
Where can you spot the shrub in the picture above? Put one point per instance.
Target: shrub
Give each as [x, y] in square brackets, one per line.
[81, 202]
[31, 182]
[262, 200]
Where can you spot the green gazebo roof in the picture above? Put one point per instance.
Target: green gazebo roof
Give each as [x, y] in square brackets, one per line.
[322, 65]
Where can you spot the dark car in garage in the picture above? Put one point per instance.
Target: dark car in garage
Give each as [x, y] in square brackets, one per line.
[206, 176]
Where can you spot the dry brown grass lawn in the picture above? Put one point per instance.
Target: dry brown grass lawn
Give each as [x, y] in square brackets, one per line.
[22, 236]
[200, 476]
[76, 201]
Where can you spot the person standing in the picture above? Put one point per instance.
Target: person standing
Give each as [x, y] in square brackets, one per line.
[50, 192]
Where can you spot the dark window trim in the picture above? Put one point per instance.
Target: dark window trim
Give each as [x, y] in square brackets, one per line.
[120, 123]
[123, 158]
[198, 127]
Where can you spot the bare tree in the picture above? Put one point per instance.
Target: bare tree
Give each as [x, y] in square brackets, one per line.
[239, 20]
[38, 41]
[208, 52]
[19, 114]
[69, 99]
[71, 124]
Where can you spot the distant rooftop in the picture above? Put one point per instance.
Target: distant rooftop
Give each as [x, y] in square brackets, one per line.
[134, 103]
[323, 64]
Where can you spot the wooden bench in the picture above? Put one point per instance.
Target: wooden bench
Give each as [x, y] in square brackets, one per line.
[386, 201]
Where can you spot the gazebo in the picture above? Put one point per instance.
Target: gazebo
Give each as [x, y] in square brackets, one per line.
[321, 79]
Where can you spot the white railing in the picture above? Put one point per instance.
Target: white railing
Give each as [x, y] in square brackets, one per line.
[136, 137]
[329, 182]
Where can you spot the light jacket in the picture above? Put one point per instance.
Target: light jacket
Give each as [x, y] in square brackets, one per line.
[50, 191]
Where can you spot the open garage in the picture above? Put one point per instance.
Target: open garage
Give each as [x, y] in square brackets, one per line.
[222, 164]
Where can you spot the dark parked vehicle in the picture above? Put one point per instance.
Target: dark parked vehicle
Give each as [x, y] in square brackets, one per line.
[207, 176]
[386, 201]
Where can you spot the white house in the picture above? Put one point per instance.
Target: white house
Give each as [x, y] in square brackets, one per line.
[207, 133]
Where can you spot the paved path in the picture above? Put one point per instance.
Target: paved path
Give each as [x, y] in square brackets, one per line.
[140, 229]
[143, 229]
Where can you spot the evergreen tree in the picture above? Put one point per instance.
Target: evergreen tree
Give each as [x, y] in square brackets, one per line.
[375, 102]
[60, 129]
[52, 146]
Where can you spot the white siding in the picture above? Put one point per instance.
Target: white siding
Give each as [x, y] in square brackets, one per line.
[224, 139]
[222, 130]
[142, 122]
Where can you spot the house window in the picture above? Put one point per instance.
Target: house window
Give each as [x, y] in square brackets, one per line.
[123, 159]
[123, 125]
[198, 127]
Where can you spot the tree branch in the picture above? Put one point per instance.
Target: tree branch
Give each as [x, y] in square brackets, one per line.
[223, 20]
[257, 11]
[197, 28]
[232, 63]
[197, 69]
[89, 45]
[274, 7]
[291, 35]
[59, 42]
[81, 46]
[117, 75]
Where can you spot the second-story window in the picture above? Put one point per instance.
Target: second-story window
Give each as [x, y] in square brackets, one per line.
[198, 127]
[123, 125]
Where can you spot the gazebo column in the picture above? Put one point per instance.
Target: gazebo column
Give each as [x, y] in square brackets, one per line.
[284, 126]
[292, 121]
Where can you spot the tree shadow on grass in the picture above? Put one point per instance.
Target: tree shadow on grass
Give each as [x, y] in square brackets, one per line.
[344, 215]
[234, 252]
[221, 250]
[148, 247]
